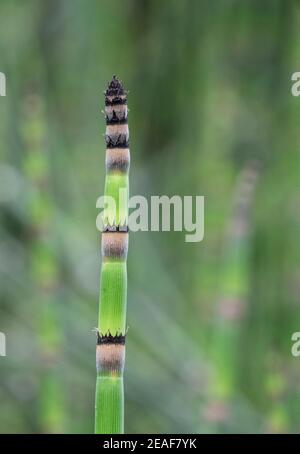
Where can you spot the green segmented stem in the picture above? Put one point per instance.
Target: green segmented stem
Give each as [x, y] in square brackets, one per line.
[116, 187]
[112, 314]
[109, 405]
[110, 353]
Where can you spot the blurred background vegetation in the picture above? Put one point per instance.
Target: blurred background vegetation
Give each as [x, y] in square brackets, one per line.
[211, 114]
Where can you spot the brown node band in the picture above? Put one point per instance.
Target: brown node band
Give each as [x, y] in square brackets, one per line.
[110, 359]
[117, 129]
[114, 245]
[120, 111]
[117, 159]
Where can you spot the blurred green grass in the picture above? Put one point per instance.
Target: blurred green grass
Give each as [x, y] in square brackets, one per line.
[211, 114]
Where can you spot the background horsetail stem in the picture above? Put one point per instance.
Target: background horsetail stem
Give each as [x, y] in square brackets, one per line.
[110, 352]
[43, 266]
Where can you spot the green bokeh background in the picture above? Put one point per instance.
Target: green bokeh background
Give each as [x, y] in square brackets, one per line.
[211, 113]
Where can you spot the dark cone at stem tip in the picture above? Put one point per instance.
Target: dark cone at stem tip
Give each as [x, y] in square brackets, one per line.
[115, 93]
[115, 88]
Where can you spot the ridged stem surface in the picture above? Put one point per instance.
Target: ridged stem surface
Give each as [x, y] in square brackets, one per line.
[110, 353]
